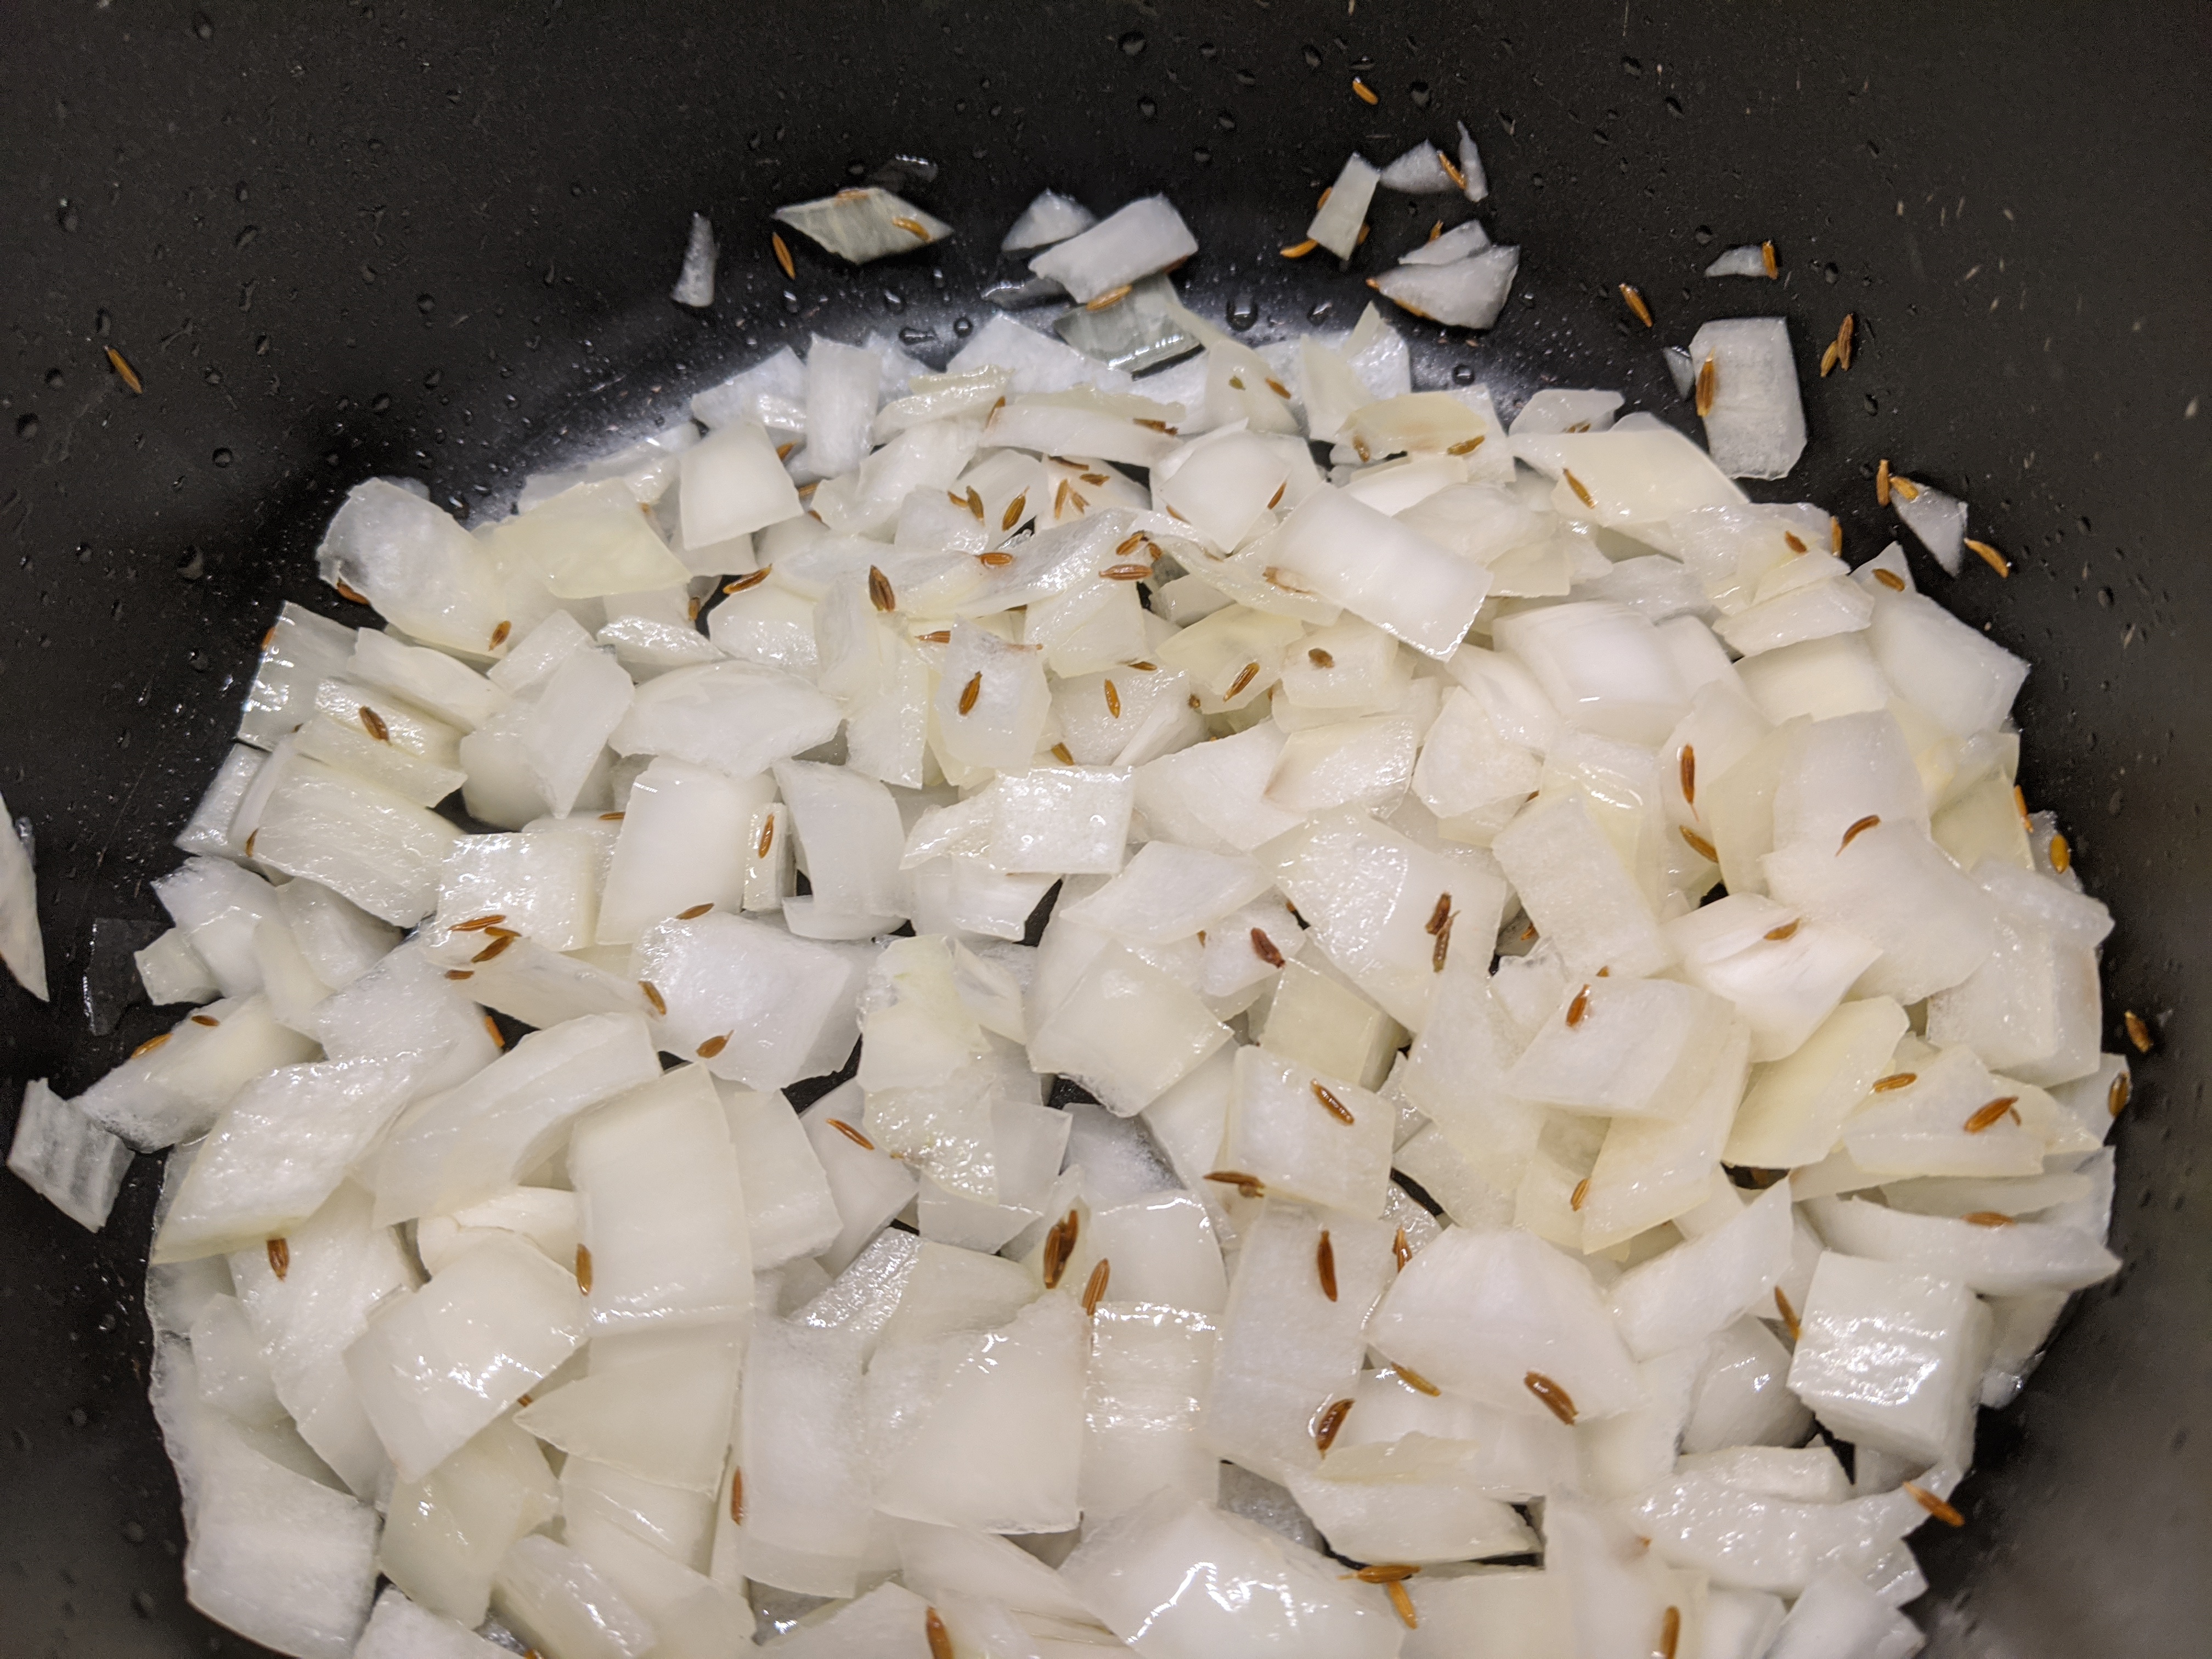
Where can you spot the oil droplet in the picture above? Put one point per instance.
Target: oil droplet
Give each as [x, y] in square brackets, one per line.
[53, 377]
[962, 327]
[1419, 93]
[1462, 374]
[1148, 108]
[223, 458]
[1320, 310]
[26, 425]
[1133, 43]
[65, 216]
[245, 238]
[1312, 55]
[425, 304]
[1242, 313]
[380, 403]
[203, 26]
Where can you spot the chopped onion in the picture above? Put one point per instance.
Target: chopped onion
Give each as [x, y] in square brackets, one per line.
[1343, 215]
[860, 225]
[1420, 172]
[694, 283]
[1148, 235]
[1051, 217]
[1468, 293]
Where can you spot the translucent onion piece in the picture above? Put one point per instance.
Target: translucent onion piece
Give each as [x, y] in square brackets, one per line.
[695, 283]
[860, 225]
[1468, 293]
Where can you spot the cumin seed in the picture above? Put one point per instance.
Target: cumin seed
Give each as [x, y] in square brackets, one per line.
[1883, 1085]
[1581, 489]
[1936, 1507]
[1787, 930]
[1248, 1186]
[584, 1268]
[1990, 556]
[1402, 1250]
[1402, 1604]
[1773, 265]
[940, 1639]
[2116, 1097]
[1698, 844]
[1012, 515]
[1468, 445]
[1329, 1424]
[1987, 1219]
[880, 590]
[1709, 381]
[1882, 482]
[493, 948]
[694, 911]
[737, 1497]
[499, 634]
[1251, 673]
[1325, 1264]
[1109, 298]
[1365, 92]
[1671, 1632]
[1554, 1399]
[1986, 1116]
[1337, 1109]
[1125, 573]
[117, 362]
[1061, 753]
[1788, 1314]
[1414, 1380]
[782, 250]
[1320, 658]
[1632, 297]
[1871, 821]
[852, 1134]
[280, 1257]
[1890, 580]
[1299, 250]
[1264, 948]
[1579, 1008]
[652, 995]
[712, 1046]
[972, 690]
[1094, 1288]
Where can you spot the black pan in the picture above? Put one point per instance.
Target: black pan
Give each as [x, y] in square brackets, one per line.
[342, 240]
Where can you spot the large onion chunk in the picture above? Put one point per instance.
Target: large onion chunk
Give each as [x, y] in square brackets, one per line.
[1467, 976]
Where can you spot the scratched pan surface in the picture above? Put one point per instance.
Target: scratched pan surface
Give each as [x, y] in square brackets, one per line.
[381, 239]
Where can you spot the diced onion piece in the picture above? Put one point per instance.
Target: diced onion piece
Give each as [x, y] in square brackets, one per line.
[695, 283]
[1145, 236]
[860, 225]
[1468, 293]
[1336, 224]
[1755, 422]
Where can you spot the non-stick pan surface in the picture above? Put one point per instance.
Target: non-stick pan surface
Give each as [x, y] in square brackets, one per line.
[340, 239]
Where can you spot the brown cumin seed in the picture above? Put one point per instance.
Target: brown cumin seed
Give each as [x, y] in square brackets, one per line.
[1985, 1116]
[1633, 299]
[279, 1256]
[1402, 1604]
[1264, 948]
[712, 1046]
[1320, 658]
[1792, 540]
[1061, 753]
[1835, 535]
[1452, 172]
[1935, 1505]
[1883, 1085]
[1122, 551]
[1890, 580]
[1094, 1290]
[1579, 1008]
[767, 837]
[205, 1019]
[1686, 766]
[1581, 489]
[913, 227]
[460, 973]
[584, 1268]
[1325, 1264]
[1468, 445]
[852, 1134]
[525, 1398]
[1092, 477]
[1125, 573]
[975, 501]
[494, 948]
[969, 692]
[940, 1639]
[346, 593]
[1442, 946]
[1249, 1186]
[1012, 515]
[1160, 426]
[1671, 1632]
[2060, 852]
[2116, 1097]
[1145, 667]
[1843, 335]
[936, 636]
[611, 817]
[1828, 360]
[1987, 1219]
[1109, 298]
[1250, 672]
[1402, 1253]
[1581, 1196]
[737, 1497]
[1113, 700]
[1903, 486]
[1787, 930]
[1990, 556]
[652, 995]
[1337, 1109]
[751, 579]
[1698, 844]
[1709, 381]
[1385, 1572]
[1555, 1399]
[1282, 391]
[1412, 1379]
[491, 1025]
[1362, 91]
[782, 251]
[499, 634]
[1788, 1314]
[994, 561]
[1871, 821]
[880, 590]
[117, 362]
[1882, 482]
[695, 911]
[1054, 1261]
[1060, 499]
[1299, 250]
[1439, 916]
[1330, 1423]
[268, 636]
[1767, 253]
